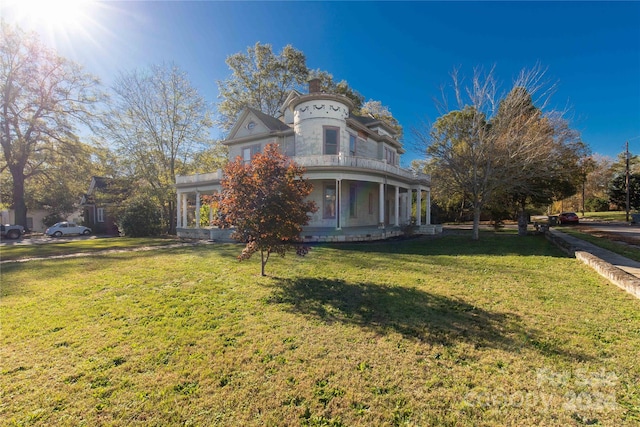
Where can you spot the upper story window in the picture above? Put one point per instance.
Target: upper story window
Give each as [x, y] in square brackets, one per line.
[352, 144]
[249, 152]
[390, 156]
[331, 145]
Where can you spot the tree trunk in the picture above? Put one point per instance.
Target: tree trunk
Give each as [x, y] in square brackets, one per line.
[172, 218]
[19, 206]
[264, 262]
[522, 220]
[477, 209]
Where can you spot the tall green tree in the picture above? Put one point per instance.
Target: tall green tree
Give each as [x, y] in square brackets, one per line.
[462, 150]
[618, 191]
[260, 79]
[266, 203]
[44, 97]
[159, 124]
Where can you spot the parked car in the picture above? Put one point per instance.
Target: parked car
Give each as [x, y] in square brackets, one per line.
[9, 231]
[65, 228]
[568, 218]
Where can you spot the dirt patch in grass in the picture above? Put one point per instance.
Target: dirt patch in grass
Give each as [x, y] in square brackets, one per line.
[614, 237]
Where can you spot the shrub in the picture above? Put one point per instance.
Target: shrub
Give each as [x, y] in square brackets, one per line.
[596, 204]
[52, 218]
[141, 218]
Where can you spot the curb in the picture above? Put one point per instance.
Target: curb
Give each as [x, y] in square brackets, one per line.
[615, 275]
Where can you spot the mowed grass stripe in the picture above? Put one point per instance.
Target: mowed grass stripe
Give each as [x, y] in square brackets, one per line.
[505, 331]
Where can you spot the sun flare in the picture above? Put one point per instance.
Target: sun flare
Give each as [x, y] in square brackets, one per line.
[53, 16]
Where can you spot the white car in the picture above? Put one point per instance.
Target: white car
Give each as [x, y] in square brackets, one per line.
[66, 228]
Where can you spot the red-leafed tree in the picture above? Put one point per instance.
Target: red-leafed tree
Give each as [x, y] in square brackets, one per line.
[265, 200]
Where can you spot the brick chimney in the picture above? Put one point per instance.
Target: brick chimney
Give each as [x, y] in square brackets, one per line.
[314, 86]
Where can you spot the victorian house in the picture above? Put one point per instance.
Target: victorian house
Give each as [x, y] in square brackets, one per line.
[353, 163]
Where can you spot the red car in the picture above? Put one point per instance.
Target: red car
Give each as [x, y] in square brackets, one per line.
[568, 218]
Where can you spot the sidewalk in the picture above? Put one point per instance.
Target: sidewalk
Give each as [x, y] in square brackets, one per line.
[621, 271]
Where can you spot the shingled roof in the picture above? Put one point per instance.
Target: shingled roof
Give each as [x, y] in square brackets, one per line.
[270, 122]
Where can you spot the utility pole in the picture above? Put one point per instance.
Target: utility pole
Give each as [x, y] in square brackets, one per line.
[627, 155]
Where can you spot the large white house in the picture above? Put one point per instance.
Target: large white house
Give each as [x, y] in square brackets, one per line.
[353, 163]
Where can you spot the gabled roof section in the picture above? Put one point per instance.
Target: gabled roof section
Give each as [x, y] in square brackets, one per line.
[267, 124]
[271, 122]
[292, 95]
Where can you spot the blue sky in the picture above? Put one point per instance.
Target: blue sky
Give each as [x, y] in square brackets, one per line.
[400, 53]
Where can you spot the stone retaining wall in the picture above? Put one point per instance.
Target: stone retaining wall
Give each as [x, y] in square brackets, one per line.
[615, 275]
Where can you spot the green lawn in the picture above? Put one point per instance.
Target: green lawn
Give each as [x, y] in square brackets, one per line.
[442, 331]
[606, 216]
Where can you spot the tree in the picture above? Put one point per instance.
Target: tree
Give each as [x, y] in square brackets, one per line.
[44, 98]
[542, 154]
[141, 217]
[461, 148]
[158, 123]
[618, 191]
[260, 79]
[381, 112]
[265, 201]
[489, 148]
[328, 85]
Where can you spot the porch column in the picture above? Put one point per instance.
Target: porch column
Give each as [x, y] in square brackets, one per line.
[210, 215]
[185, 206]
[419, 207]
[427, 220]
[381, 206]
[338, 203]
[397, 207]
[179, 210]
[408, 200]
[197, 209]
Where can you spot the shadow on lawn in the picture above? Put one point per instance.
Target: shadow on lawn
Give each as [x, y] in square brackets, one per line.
[413, 313]
[490, 243]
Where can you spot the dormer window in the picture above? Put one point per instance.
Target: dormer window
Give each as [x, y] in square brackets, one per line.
[331, 145]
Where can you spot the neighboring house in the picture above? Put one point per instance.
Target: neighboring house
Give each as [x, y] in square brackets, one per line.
[99, 204]
[35, 219]
[353, 163]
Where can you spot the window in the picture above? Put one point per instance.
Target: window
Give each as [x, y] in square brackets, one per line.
[329, 200]
[249, 152]
[331, 140]
[390, 156]
[352, 144]
[100, 215]
[353, 195]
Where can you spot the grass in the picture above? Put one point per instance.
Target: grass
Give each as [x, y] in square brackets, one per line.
[18, 250]
[606, 216]
[445, 331]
